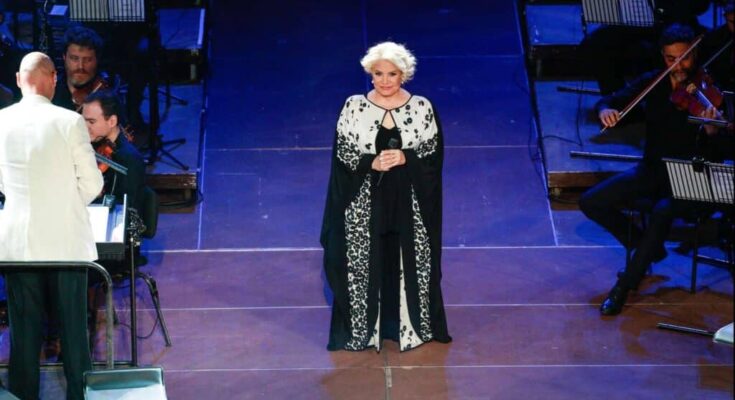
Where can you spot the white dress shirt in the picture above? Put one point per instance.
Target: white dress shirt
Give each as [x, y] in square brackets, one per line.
[49, 175]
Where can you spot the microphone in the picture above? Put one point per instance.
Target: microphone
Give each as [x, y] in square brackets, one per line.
[392, 144]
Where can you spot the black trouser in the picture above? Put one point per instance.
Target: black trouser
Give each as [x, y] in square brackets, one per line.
[602, 204]
[26, 298]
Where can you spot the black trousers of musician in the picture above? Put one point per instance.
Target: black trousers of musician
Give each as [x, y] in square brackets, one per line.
[26, 299]
[602, 204]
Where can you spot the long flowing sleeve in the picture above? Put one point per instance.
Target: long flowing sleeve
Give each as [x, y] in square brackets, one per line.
[424, 163]
[350, 170]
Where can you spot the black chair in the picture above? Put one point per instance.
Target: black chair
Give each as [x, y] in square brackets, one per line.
[121, 271]
[640, 210]
[728, 245]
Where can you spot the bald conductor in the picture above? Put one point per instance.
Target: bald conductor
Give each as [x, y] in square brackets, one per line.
[49, 175]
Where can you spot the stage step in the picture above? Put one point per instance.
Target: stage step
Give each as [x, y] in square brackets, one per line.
[554, 32]
[183, 37]
[179, 123]
[568, 123]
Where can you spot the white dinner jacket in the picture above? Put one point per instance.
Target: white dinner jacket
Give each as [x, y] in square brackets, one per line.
[49, 175]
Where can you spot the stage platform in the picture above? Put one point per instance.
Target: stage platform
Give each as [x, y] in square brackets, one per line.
[181, 106]
[179, 121]
[569, 123]
[241, 281]
[553, 31]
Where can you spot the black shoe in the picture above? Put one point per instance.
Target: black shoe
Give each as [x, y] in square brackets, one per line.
[615, 300]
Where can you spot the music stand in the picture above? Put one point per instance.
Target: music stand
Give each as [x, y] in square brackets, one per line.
[107, 10]
[703, 182]
[699, 180]
[618, 12]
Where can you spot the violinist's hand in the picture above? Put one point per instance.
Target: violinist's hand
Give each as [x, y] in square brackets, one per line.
[391, 158]
[710, 113]
[609, 117]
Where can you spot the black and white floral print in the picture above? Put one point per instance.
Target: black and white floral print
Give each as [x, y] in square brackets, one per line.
[357, 128]
[357, 231]
[360, 120]
[423, 267]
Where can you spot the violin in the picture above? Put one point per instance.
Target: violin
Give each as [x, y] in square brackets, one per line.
[697, 94]
[104, 148]
[98, 83]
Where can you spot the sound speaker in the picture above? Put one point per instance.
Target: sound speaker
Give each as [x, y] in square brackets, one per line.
[125, 384]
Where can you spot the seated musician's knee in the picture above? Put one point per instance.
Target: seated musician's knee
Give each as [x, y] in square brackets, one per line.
[591, 202]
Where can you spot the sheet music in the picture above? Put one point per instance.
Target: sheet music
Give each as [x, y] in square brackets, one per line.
[99, 217]
[712, 184]
[636, 13]
[107, 10]
[88, 10]
[686, 183]
[619, 12]
[601, 11]
[127, 10]
[117, 233]
[722, 183]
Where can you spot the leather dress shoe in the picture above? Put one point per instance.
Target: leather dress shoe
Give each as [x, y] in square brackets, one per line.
[615, 300]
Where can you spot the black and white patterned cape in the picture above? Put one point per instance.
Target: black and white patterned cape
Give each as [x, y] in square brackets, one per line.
[349, 234]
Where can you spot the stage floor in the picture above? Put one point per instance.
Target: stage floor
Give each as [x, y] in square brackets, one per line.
[241, 280]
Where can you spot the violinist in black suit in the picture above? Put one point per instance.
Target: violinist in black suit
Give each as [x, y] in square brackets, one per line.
[103, 115]
[613, 52]
[668, 134]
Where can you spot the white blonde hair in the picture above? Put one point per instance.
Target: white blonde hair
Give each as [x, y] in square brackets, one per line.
[396, 53]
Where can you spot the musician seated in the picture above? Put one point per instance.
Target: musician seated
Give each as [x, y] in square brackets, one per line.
[614, 52]
[129, 57]
[668, 134]
[82, 48]
[101, 110]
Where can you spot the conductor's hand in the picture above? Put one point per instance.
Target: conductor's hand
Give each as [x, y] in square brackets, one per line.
[609, 117]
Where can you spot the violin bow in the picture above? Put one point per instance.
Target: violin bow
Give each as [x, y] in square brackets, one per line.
[116, 166]
[96, 88]
[655, 82]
